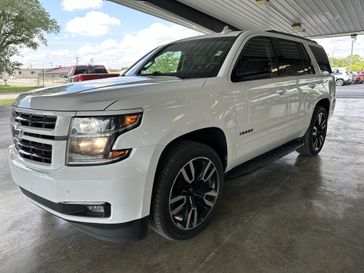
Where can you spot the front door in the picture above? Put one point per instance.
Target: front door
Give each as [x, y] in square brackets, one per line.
[261, 99]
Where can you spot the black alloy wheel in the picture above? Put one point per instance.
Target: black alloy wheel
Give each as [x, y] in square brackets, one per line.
[315, 136]
[187, 187]
[194, 193]
[319, 131]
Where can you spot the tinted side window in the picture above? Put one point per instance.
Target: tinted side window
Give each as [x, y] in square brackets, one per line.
[321, 58]
[292, 58]
[256, 61]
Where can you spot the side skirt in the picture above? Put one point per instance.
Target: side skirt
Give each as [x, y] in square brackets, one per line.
[264, 159]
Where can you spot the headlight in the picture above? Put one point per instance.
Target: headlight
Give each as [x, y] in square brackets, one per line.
[91, 138]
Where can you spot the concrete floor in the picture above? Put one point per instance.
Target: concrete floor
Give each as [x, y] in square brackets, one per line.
[296, 215]
[353, 91]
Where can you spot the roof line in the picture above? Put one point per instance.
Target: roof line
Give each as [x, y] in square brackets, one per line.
[291, 35]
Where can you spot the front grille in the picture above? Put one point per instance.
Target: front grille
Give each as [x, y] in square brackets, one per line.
[37, 121]
[34, 151]
[39, 136]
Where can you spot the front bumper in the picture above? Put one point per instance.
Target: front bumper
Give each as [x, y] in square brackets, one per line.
[125, 185]
[130, 231]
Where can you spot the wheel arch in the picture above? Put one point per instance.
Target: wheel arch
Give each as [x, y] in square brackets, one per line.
[213, 137]
[325, 103]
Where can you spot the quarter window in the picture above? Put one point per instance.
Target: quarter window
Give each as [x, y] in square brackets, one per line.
[293, 58]
[256, 61]
[321, 58]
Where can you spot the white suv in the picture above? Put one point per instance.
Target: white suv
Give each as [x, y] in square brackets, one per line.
[154, 145]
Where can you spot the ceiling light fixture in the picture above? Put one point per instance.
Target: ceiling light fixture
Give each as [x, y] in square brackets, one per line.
[297, 27]
[262, 3]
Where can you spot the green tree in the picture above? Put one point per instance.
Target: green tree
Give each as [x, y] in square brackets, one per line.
[358, 66]
[345, 61]
[23, 23]
[165, 63]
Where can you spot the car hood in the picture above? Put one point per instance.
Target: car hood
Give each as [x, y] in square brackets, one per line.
[97, 95]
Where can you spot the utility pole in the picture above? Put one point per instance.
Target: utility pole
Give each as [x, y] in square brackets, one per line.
[76, 60]
[353, 39]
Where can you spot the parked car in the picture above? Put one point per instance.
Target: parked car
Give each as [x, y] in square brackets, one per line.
[361, 75]
[357, 77]
[79, 73]
[154, 145]
[342, 77]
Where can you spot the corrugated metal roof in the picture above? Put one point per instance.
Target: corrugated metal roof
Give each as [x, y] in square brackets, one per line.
[319, 18]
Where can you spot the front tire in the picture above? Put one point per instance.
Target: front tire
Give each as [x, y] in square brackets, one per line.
[315, 136]
[187, 187]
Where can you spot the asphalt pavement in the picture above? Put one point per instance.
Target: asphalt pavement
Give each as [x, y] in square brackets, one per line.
[354, 91]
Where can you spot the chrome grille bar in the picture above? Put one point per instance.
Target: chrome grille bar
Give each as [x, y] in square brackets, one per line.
[37, 121]
[35, 151]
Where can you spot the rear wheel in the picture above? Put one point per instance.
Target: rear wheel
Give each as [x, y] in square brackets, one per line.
[187, 188]
[315, 136]
[339, 82]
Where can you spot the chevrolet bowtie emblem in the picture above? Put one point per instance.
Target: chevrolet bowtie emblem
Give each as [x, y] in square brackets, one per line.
[17, 131]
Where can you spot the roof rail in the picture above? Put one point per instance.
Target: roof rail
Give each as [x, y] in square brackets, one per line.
[291, 35]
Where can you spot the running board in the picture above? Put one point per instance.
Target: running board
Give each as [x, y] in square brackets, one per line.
[264, 159]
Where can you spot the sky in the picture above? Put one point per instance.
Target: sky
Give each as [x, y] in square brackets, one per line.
[106, 32]
[103, 32]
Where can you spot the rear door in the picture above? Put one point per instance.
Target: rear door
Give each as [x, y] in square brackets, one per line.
[296, 71]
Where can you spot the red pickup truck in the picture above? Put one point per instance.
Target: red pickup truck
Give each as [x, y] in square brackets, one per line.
[79, 73]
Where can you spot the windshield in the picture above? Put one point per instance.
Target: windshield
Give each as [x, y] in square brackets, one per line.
[199, 58]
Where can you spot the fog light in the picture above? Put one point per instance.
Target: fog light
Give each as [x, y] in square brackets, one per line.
[96, 209]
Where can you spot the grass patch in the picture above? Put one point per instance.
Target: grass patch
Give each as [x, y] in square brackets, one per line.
[6, 102]
[15, 89]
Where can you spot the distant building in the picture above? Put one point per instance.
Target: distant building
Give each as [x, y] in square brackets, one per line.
[60, 72]
[28, 73]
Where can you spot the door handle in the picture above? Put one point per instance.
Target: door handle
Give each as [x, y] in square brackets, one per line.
[282, 91]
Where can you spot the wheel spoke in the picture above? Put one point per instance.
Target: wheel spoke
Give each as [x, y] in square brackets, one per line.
[192, 171]
[314, 131]
[211, 193]
[176, 199]
[180, 207]
[321, 139]
[192, 218]
[315, 143]
[323, 125]
[319, 119]
[208, 172]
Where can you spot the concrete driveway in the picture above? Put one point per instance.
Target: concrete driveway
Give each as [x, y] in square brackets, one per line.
[298, 214]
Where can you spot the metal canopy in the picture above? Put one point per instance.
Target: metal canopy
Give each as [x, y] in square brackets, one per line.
[319, 18]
